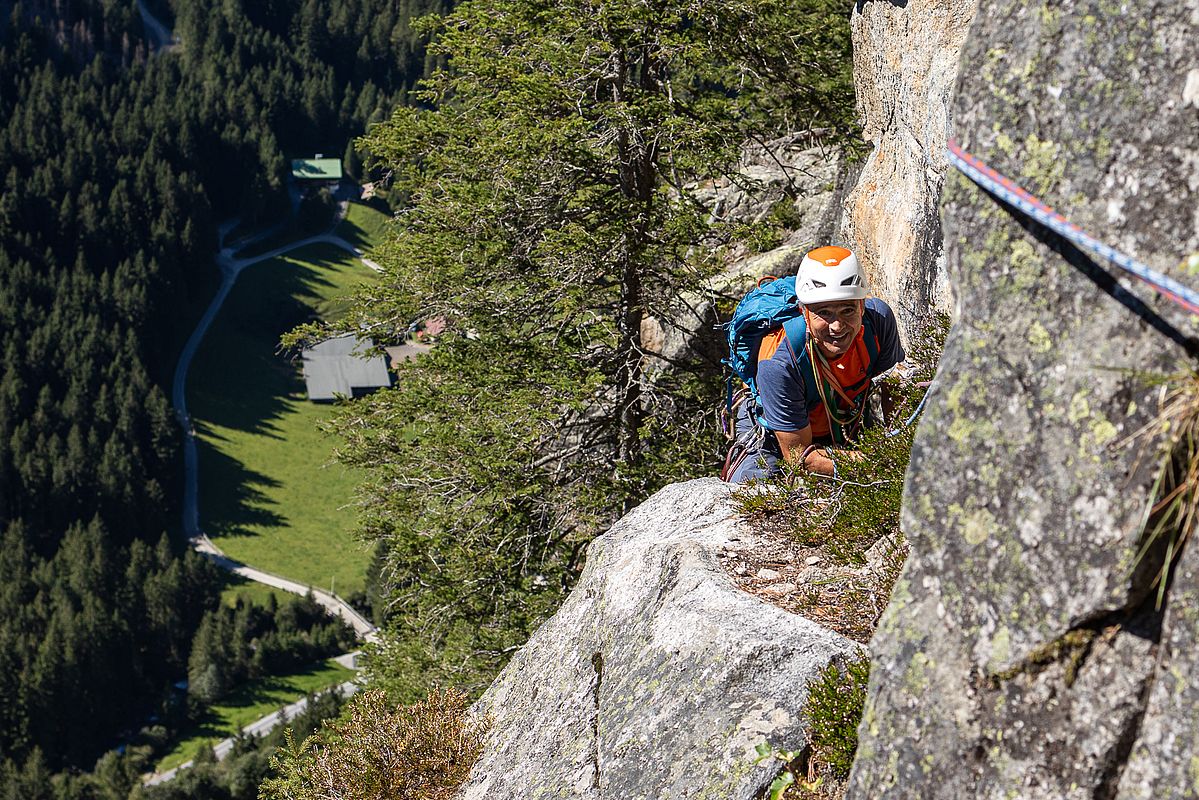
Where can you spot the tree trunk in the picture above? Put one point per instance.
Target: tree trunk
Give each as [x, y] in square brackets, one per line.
[638, 179]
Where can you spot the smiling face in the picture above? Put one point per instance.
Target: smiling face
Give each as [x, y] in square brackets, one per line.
[834, 325]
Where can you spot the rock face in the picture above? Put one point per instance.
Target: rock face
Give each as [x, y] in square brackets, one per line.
[657, 677]
[794, 171]
[797, 179]
[1022, 654]
[905, 63]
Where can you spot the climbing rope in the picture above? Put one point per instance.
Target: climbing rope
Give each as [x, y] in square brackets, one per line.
[843, 423]
[1006, 190]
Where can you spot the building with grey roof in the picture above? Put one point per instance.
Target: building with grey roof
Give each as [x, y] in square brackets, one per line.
[341, 367]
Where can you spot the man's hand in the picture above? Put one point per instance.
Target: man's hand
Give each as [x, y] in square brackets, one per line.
[899, 375]
[794, 443]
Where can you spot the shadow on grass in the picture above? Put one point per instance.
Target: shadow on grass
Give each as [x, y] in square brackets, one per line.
[291, 232]
[207, 727]
[241, 382]
[240, 379]
[235, 588]
[263, 696]
[354, 233]
[232, 497]
[265, 691]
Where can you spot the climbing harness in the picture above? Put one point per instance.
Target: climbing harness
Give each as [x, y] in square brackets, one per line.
[1006, 190]
[750, 441]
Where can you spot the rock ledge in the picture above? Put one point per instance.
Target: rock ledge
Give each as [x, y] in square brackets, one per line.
[658, 676]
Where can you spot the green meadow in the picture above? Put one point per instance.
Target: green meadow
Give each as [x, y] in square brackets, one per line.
[270, 494]
[363, 226]
[258, 594]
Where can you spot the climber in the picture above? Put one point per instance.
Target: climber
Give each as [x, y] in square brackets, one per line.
[814, 373]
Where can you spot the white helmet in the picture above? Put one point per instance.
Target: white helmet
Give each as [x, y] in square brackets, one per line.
[830, 273]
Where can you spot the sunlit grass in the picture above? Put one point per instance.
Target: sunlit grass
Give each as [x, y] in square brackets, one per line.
[258, 594]
[250, 702]
[363, 227]
[270, 495]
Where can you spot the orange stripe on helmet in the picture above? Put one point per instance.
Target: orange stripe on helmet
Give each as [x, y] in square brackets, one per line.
[830, 255]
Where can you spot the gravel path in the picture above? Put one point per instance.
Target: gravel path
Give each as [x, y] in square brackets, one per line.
[230, 268]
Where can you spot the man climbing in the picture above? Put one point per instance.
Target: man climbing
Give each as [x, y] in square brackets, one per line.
[814, 372]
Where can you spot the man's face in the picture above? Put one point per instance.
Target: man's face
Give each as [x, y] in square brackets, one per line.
[834, 325]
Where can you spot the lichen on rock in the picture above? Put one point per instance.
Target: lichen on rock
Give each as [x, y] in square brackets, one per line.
[1024, 658]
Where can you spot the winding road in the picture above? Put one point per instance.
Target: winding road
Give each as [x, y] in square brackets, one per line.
[230, 267]
[163, 40]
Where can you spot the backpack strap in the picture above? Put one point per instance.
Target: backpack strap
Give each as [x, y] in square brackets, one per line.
[871, 339]
[796, 331]
[795, 338]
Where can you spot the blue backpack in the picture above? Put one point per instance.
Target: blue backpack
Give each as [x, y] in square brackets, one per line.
[771, 305]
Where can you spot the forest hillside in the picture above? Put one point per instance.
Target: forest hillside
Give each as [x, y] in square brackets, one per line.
[118, 161]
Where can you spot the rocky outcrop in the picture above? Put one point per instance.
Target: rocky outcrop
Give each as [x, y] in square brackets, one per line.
[657, 677]
[1023, 654]
[905, 63]
[794, 183]
[796, 177]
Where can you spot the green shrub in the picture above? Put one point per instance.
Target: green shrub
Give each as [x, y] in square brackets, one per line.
[381, 752]
[836, 699]
[783, 214]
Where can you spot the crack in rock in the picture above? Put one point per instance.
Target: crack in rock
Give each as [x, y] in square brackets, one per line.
[597, 661]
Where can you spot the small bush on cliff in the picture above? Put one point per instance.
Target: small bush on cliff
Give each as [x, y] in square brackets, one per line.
[849, 513]
[381, 752]
[1175, 432]
[863, 503]
[855, 521]
[836, 699]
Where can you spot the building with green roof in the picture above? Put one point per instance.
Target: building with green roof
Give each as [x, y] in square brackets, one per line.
[318, 170]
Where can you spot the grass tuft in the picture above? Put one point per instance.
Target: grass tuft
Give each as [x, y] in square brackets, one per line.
[1175, 431]
[836, 700]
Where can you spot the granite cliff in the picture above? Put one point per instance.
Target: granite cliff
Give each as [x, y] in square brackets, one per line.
[1023, 653]
[658, 676]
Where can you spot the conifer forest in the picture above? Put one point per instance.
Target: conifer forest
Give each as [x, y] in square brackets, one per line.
[118, 160]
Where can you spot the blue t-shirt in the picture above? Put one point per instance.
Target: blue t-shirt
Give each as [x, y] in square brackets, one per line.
[781, 386]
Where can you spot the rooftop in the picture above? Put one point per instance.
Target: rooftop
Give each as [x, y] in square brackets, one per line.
[316, 169]
[340, 368]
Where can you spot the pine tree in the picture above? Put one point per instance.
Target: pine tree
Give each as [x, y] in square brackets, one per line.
[112, 172]
[547, 172]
